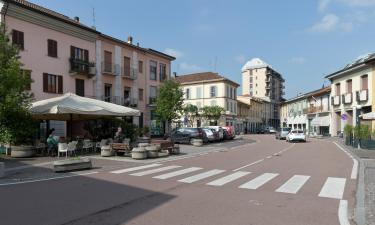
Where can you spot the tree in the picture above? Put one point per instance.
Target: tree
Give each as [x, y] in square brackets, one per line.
[191, 112]
[212, 113]
[169, 101]
[16, 124]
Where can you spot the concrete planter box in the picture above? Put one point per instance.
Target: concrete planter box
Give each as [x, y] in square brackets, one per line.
[163, 153]
[22, 151]
[2, 169]
[152, 151]
[143, 145]
[176, 149]
[139, 153]
[197, 142]
[72, 164]
[106, 151]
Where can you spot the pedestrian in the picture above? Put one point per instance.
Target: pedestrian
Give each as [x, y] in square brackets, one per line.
[52, 142]
[119, 136]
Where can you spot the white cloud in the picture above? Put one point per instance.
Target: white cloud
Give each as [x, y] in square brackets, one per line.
[298, 60]
[328, 23]
[323, 4]
[174, 52]
[187, 67]
[240, 58]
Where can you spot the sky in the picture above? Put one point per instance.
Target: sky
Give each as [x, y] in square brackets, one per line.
[302, 40]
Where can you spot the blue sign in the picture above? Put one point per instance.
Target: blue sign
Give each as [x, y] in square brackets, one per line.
[344, 117]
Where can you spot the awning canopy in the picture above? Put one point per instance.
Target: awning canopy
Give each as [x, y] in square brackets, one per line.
[74, 107]
[368, 116]
[321, 121]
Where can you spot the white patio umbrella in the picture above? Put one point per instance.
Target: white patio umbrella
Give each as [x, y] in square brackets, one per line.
[71, 107]
[368, 116]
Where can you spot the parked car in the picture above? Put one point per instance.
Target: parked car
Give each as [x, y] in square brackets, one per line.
[211, 134]
[260, 131]
[296, 135]
[217, 129]
[230, 133]
[282, 132]
[269, 130]
[185, 135]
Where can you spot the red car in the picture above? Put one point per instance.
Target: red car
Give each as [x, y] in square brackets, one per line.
[230, 133]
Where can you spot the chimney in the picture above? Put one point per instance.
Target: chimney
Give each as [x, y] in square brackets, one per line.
[130, 40]
[76, 18]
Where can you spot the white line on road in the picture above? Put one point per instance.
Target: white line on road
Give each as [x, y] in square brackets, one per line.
[253, 163]
[148, 172]
[259, 181]
[201, 176]
[177, 173]
[229, 178]
[343, 213]
[355, 162]
[333, 188]
[135, 168]
[293, 184]
[46, 179]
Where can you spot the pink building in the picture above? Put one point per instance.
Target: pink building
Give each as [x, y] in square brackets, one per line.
[63, 55]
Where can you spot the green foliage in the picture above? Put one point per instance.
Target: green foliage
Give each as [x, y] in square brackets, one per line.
[16, 124]
[348, 130]
[191, 112]
[362, 132]
[169, 101]
[212, 113]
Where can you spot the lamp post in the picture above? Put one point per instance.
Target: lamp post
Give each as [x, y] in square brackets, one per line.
[358, 122]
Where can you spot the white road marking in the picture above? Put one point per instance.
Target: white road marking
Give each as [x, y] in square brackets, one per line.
[177, 173]
[51, 178]
[148, 172]
[253, 163]
[229, 178]
[355, 162]
[259, 181]
[135, 168]
[333, 188]
[343, 213]
[201, 176]
[268, 157]
[293, 184]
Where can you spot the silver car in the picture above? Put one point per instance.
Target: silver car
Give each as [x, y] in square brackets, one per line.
[282, 132]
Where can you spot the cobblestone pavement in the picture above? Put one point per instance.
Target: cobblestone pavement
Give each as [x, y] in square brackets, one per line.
[370, 195]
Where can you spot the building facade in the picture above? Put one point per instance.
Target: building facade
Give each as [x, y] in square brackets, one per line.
[260, 80]
[258, 114]
[211, 89]
[352, 92]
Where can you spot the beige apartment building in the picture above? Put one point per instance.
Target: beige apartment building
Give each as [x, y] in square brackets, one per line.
[211, 89]
[258, 113]
[260, 80]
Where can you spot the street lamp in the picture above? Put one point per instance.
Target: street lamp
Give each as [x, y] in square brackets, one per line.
[358, 121]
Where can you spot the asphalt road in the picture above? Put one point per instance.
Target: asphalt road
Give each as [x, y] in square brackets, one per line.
[267, 182]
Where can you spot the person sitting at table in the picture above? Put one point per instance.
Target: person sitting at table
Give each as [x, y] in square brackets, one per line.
[119, 136]
[52, 142]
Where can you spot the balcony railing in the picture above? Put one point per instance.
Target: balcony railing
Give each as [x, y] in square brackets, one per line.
[152, 100]
[335, 100]
[132, 74]
[313, 109]
[111, 68]
[347, 98]
[362, 96]
[118, 100]
[83, 67]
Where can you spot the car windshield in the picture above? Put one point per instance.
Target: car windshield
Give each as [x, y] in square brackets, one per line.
[287, 129]
[300, 132]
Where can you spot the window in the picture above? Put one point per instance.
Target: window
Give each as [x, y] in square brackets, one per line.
[108, 61]
[153, 94]
[27, 74]
[18, 39]
[52, 83]
[251, 79]
[227, 91]
[199, 92]
[213, 103]
[227, 105]
[235, 93]
[251, 93]
[364, 82]
[140, 66]
[213, 91]
[235, 107]
[231, 106]
[162, 71]
[251, 73]
[126, 66]
[337, 89]
[349, 86]
[230, 92]
[52, 48]
[79, 59]
[140, 94]
[80, 87]
[107, 92]
[153, 68]
[187, 92]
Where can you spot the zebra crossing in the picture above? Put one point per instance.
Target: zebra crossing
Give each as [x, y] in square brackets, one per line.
[332, 188]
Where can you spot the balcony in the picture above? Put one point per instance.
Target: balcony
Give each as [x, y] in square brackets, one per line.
[313, 109]
[362, 96]
[132, 74]
[152, 101]
[118, 100]
[130, 102]
[82, 67]
[347, 98]
[335, 100]
[111, 68]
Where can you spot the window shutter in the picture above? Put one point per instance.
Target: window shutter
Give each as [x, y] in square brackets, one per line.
[60, 84]
[14, 37]
[45, 82]
[55, 48]
[20, 36]
[49, 47]
[86, 55]
[72, 53]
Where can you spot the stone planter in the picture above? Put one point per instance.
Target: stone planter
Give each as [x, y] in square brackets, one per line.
[143, 145]
[152, 151]
[2, 169]
[163, 153]
[22, 151]
[139, 153]
[197, 142]
[176, 149]
[72, 164]
[106, 151]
